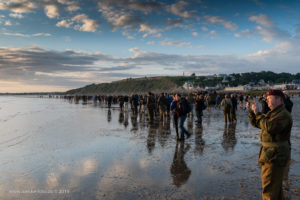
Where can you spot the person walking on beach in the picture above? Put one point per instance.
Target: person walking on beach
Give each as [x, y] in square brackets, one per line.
[218, 102]
[199, 103]
[150, 106]
[241, 98]
[275, 149]
[173, 108]
[183, 109]
[162, 105]
[207, 100]
[227, 106]
[233, 108]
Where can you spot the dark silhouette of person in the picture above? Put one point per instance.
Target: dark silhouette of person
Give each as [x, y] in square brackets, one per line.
[126, 122]
[179, 170]
[229, 138]
[152, 133]
[134, 121]
[121, 117]
[199, 142]
[109, 115]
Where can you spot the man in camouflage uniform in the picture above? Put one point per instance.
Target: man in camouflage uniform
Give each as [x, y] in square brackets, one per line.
[275, 149]
[226, 105]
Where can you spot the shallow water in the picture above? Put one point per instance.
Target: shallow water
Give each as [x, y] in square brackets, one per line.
[53, 149]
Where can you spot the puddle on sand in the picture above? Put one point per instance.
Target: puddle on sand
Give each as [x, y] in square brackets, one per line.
[72, 151]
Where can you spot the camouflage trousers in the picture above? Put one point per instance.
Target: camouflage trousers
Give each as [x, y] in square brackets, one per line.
[272, 177]
[227, 116]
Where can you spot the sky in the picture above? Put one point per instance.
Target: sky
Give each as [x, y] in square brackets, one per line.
[57, 45]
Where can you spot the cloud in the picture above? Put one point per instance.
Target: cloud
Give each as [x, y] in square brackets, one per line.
[73, 68]
[16, 15]
[175, 43]
[267, 29]
[7, 23]
[150, 31]
[244, 33]
[145, 7]
[195, 34]
[28, 35]
[204, 28]
[87, 24]
[64, 23]
[218, 20]
[52, 11]
[174, 22]
[262, 20]
[119, 18]
[18, 6]
[79, 22]
[213, 32]
[71, 5]
[178, 9]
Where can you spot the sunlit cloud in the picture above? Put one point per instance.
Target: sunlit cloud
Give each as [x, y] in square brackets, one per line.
[218, 20]
[52, 11]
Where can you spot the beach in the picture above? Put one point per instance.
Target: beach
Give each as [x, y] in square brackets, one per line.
[51, 148]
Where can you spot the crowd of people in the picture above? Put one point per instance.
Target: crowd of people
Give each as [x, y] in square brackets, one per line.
[272, 116]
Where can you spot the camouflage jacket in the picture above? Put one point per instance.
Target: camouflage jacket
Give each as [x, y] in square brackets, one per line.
[226, 104]
[275, 134]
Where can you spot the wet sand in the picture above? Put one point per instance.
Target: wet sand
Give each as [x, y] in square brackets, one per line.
[53, 149]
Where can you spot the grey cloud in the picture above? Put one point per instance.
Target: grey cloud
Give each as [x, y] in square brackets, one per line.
[178, 9]
[72, 68]
[117, 68]
[174, 22]
[268, 29]
[218, 20]
[18, 6]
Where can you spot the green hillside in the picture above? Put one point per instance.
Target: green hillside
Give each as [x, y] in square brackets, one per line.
[140, 85]
[171, 83]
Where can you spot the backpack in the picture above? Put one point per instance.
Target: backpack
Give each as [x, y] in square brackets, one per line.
[184, 107]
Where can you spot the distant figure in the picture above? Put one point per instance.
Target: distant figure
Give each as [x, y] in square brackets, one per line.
[227, 106]
[162, 105]
[182, 110]
[150, 106]
[233, 108]
[288, 103]
[173, 108]
[200, 106]
[109, 100]
[218, 102]
[126, 100]
[241, 98]
[275, 135]
[208, 101]
[121, 102]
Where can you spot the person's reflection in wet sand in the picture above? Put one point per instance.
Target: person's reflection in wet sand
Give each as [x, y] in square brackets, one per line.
[134, 121]
[199, 142]
[179, 170]
[229, 139]
[121, 117]
[126, 119]
[190, 124]
[142, 120]
[109, 115]
[152, 131]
